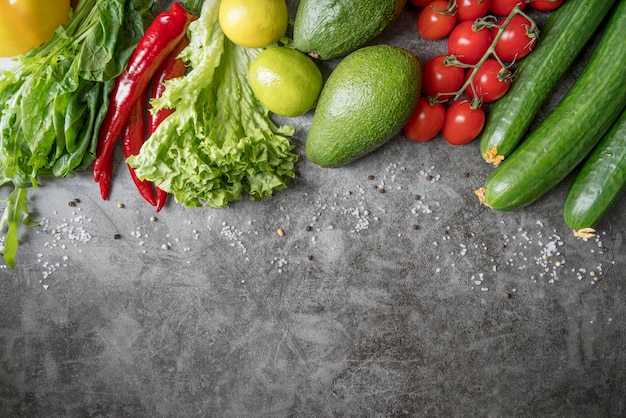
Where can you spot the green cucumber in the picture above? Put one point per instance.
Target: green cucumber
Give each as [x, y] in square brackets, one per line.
[599, 183]
[562, 38]
[569, 133]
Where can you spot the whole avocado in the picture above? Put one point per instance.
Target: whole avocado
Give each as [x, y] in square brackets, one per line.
[366, 100]
[328, 29]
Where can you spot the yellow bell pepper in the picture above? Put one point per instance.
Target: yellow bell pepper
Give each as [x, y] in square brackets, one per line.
[25, 24]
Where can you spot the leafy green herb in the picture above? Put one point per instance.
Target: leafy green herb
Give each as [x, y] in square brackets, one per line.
[220, 141]
[53, 100]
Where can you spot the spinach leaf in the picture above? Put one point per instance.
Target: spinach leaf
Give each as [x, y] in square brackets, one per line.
[97, 49]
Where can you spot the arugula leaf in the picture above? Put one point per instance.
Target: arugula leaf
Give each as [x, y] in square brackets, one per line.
[220, 142]
[16, 212]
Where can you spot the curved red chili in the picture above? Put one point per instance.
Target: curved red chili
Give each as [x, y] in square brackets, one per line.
[172, 67]
[105, 179]
[161, 198]
[160, 38]
[132, 139]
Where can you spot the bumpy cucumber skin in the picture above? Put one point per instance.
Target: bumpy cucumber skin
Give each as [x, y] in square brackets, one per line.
[366, 100]
[571, 131]
[562, 38]
[328, 29]
[600, 182]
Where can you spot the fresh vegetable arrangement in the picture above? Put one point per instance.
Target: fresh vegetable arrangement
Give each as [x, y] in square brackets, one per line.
[219, 142]
[563, 37]
[518, 87]
[184, 92]
[165, 32]
[570, 131]
[53, 100]
[485, 42]
[223, 150]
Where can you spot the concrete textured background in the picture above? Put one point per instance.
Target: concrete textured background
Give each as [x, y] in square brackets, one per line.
[371, 304]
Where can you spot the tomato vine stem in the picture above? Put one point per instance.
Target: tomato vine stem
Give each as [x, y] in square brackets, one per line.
[486, 22]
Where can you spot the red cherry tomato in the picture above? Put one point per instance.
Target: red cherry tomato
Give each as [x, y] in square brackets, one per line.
[491, 81]
[545, 5]
[504, 7]
[463, 123]
[468, 44]
[437, 78]
[420, 3]
[472, 9]
[517, 40]
[436, 21]
[426, 121]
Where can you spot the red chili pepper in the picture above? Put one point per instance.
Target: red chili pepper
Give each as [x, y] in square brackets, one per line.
[161, 198]
[132, 139]
[172, 67]
[161, 37]
[105, 178]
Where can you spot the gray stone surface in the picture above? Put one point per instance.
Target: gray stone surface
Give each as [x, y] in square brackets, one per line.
[371, 304]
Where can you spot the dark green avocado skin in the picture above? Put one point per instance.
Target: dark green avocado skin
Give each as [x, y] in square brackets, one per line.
[365, 102]
[328, 29]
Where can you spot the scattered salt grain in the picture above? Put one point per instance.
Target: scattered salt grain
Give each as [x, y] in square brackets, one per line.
[234, 236]
[280, 262]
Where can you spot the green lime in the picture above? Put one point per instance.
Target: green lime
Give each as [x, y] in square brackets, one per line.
[285, 81]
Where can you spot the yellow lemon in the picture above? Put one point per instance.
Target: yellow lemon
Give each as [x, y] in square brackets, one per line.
[253, 23]
[286, 81]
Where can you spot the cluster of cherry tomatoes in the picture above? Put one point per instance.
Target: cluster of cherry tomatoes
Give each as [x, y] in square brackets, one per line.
[485, 38]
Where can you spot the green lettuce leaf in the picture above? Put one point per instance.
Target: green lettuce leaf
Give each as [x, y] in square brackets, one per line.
[220, 142]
